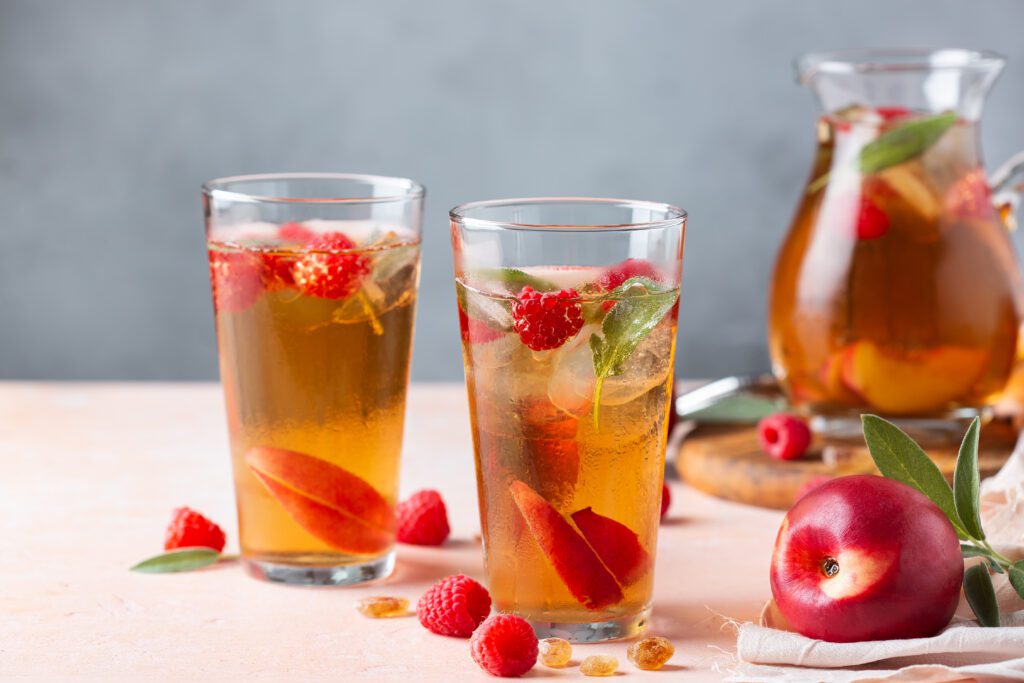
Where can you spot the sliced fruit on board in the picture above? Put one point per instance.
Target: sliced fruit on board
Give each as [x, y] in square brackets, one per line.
[573, 559]
[912, 381]
[329, 502]
[615, 543]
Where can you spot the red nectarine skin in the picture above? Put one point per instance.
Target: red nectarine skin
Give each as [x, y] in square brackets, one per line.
[615, 543]
[573, 559]
[866, 558]
[331, 503]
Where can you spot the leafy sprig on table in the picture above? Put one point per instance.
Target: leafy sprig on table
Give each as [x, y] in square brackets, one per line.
[181, 560]
[898, 457]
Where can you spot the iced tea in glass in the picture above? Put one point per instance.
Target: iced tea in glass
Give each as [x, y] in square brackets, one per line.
[567, 311]
[314, 283]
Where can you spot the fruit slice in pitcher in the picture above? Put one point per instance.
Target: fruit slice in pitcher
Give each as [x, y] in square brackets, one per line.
[913, 381]
[573, 559]
[615, 543]
[329, 502]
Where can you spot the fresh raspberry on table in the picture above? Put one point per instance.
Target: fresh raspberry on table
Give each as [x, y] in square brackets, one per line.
[236, 278]
[295, 232]
[546, 320]
[423, 519]
[666, 499]
[784, 437]
[331, 270]
[454, 606]
[189, 529]
[631, 267]
[504, 645]
[476, 331]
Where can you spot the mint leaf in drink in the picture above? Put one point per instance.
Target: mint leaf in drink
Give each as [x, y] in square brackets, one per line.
[904, 142]
[966, 484]
[898, 457]
[900, 143]
[1016, 572]
[981, 596]
[641, 303]
[513, 278]
[180, 560]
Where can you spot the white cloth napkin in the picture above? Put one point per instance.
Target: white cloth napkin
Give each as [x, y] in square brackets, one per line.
[963, 651]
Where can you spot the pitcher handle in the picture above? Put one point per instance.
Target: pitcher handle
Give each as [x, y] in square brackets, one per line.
[1007, 188]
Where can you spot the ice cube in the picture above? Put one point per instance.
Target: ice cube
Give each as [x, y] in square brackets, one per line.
[572, 380]
[646, 368]
[496, 353]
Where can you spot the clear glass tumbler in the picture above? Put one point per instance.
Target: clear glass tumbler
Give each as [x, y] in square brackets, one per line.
[314, 280]
[568, 310]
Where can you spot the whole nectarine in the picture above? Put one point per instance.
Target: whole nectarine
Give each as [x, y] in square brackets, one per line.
[866, 558]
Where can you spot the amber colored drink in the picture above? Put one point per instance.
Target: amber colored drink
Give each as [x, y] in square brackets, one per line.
[315, 333]
[897, 289]
[569, 489]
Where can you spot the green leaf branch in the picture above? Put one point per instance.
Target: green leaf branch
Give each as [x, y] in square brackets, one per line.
[898, 457]
[640, 304]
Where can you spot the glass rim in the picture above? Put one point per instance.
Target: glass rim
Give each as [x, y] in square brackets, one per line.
[460, 214]
[893, 60]
[217, 188]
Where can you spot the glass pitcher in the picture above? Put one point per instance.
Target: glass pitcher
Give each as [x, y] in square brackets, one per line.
[897, 289]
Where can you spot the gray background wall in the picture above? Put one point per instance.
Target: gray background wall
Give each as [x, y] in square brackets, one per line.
[113, 113]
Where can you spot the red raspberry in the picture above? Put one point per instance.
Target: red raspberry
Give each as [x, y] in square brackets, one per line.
[422, 519]
[892, 113]
[546, 320]
[783, 436]
[476, 331]
[970, 197]
[504, 645]
[331, 270]
[454, 606]
[666, 499]
[236, 278]
[631, 267]
[295, 232]
[872, 222]
[189, 529]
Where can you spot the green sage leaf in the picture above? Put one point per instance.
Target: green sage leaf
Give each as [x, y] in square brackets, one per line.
[981, 596]
[180, 560]
[904, 142]
[966, 483]
[1016, 573]
[513, 278]
[972, 551]
[641, 303]
[898, 457]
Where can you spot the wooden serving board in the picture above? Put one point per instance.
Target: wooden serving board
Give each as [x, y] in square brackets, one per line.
[726, 461]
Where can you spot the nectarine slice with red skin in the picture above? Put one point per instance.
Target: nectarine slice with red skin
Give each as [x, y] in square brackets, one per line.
[329, 502]
[912, 382]
[615, 543]
[570, 555]
[336, 529]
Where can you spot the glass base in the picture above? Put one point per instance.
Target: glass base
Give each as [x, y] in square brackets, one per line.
[304, 575]
[941, 430]
[594, 632]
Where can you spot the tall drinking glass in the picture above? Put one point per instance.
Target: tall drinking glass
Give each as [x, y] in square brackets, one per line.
[568, 310]
[314, 281]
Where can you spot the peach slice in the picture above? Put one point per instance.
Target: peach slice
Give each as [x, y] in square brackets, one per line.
[615, 543]
[329, 502]
[573, 559]
[911, 382]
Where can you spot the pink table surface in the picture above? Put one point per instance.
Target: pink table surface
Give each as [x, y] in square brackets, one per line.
[90, 472]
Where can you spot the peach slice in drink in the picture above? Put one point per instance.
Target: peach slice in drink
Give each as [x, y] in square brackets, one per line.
[912, 381]
[573, 559]
[329, 502]
[615, 543]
